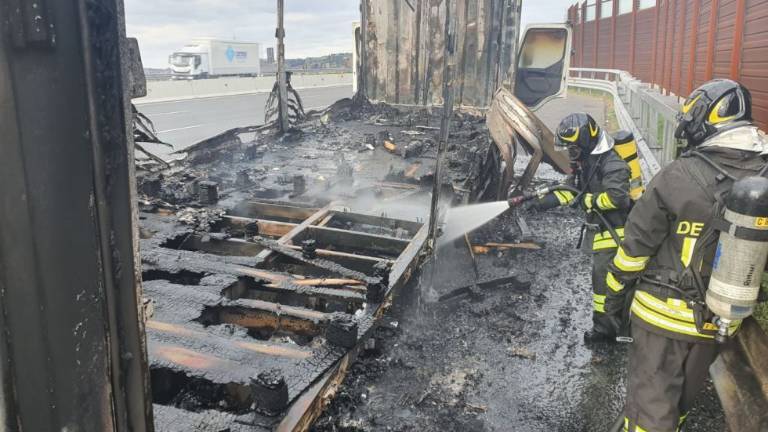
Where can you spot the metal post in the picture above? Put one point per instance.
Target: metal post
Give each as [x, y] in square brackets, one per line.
[678, 57]
[633, 39]
[582, 31]
[709, 68]
[73, 350]
[445, 124]
[692, 47]
[598, 4]
[664, 49]
[738, 40]
[655, 53]
[615, 11]
[281, 78]
[362, 56]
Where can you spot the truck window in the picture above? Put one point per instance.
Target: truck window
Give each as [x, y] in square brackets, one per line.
[180, 60]
[540, 64]
[542, 48]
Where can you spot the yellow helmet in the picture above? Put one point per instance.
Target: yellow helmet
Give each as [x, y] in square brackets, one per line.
[580, 133]
[716, 106]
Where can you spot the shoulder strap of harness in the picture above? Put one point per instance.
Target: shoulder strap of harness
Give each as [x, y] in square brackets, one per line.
[704, 179]
[708, 237]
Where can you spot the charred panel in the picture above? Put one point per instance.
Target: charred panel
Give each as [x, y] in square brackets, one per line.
[405, 45]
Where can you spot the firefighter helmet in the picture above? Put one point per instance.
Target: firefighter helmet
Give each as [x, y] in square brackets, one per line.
[580, 133]
[716, 106]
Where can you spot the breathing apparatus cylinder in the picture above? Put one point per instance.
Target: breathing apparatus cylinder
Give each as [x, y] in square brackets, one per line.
[741, 255]
[626, 147]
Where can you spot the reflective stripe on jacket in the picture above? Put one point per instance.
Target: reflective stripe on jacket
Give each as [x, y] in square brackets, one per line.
[608, 189]
[661, 235]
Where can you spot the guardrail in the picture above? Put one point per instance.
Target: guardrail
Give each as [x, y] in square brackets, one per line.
[266, 70]
[650, 115]
[173, 90]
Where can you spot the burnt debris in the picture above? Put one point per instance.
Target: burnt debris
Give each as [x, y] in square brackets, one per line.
[275, 254]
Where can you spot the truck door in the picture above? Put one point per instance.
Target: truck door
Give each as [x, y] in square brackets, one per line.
[539, 74]
[542, 64]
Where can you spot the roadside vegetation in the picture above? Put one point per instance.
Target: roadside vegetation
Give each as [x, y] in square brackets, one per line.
[761, 312]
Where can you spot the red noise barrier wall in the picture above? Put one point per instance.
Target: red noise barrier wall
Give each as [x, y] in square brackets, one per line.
[677, 44]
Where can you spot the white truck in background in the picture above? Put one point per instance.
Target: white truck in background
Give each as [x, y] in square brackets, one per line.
[210, 57]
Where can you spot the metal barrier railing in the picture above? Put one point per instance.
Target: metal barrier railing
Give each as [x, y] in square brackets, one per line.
[650, 115]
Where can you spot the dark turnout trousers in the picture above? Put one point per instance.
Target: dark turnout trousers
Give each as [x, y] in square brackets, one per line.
[600, 266]
[665, 376]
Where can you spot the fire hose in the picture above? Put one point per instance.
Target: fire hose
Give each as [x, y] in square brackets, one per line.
[516, 201]
[623, 333]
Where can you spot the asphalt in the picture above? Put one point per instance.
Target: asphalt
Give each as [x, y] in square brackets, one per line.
[186, 122]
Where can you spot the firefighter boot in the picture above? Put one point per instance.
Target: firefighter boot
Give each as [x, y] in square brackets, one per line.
[601, 332]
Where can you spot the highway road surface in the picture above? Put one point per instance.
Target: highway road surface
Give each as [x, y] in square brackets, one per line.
[186, 122]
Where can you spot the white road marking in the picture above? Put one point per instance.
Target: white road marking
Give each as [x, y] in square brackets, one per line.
[262, 92]
[168, 113]
[178, 129]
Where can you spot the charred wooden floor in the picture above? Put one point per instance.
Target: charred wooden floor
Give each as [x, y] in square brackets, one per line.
[251, 323]
[267, 260]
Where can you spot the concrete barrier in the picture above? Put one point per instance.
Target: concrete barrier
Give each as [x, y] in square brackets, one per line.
[161, 91]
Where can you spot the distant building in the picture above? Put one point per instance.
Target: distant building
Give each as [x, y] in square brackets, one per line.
[332, 61]
[270, 55]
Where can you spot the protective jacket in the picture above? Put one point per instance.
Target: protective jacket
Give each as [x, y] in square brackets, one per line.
[605, 178]
[662, 233]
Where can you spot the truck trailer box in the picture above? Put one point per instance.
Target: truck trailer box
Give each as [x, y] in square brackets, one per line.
[210, 57]
[232, 57]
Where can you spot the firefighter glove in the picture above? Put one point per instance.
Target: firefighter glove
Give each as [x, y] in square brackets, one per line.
[544, 203]
[587, 202]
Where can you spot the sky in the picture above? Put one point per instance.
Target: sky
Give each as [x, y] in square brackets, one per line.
[313, 27]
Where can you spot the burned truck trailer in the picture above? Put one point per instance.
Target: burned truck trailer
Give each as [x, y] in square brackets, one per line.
[402, 60]
[268, 257]
[267, 260]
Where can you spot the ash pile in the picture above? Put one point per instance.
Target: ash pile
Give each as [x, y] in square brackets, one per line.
[333, 155]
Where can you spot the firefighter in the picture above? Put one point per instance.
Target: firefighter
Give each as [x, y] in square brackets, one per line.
[604, 179]
[666, 242]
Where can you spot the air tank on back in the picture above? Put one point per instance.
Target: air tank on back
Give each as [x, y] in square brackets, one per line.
[741, 255]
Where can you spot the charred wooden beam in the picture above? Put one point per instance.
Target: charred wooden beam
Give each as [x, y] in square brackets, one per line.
[312, 402]
[267, 316]
[225, 247]
[271, 211]
[317, 262]
[411, 227]
[285, 292]
[261, 348]
[343, 256]
[182, 260]
[269, 255]
[328, 282]
[266, 227]
[489, 247]
[356, 241]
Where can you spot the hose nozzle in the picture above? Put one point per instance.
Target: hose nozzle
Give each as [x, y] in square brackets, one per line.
[519, 199]
[516, 201]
